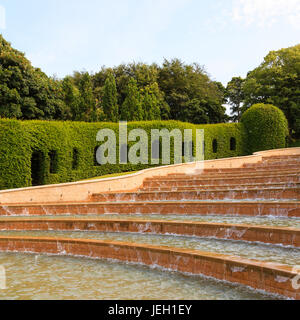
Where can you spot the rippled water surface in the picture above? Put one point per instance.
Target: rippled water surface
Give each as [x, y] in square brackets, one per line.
[281, 255]
[61, 278]
[264, 221]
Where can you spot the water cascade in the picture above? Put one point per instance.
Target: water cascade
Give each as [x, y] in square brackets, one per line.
[220, 232]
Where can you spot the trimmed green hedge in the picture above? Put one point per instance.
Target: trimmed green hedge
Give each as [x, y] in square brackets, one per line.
[229, 139]
[50, 152]
[15, 155]
[266, 128]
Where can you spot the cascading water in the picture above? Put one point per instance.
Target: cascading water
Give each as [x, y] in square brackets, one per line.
[257, 251]
[29, 277]
[64, 278]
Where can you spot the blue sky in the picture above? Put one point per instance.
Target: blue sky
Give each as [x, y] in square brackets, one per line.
[228, 37]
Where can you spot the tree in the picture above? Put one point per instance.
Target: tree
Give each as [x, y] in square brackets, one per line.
[277, 81]
[188, 86]
[194, 110]
[26, 92]
[71, 98]
[151, 102]
[132, 107]
[87, 108]
[235, 96]
[110, 99]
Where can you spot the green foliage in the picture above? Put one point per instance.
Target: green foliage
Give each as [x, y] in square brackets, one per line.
[223, 134]
[266, 128]
[132, 109]
[14, 155]
[150, 92]
[152, 102]
[183, 92]
[26, 92]
[235, 96]
[294, 144]
[65, 151]
[277, 81]
[110, 99]
[71, 99]
[87, 106]
[191, 95]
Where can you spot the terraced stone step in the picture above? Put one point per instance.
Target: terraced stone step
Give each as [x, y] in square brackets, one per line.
[270, 277]
[198, 174]
[266, 165]
[188, 187]
[234, 194]
[223, 208]
[259, 251]
[230, 181]
[269, 235]
[280, 160]
[262, 221]
[283, 158]
[256, 168]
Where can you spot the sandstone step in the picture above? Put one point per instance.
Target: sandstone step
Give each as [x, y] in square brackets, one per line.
[198, 174]
[240, 232]
[267, 164]
[270, 277]
[284, 158]
[227, 181]
[227, 187]
[238, 208]
[234, 194]
[256, 168]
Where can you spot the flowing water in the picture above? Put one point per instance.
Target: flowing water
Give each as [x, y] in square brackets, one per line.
[60, 278]
[259, 220]
[259, 251]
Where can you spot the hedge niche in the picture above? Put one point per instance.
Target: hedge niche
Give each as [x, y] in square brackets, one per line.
[219, 138]
[51, 152]
[266, 128]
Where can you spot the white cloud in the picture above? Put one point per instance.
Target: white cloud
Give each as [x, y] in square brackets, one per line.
[265, 13]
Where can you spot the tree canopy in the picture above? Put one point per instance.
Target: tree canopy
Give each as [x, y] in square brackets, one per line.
[26, 92]
[235, 97]
[277, 81]
[110, 99]
[138, 91]
[190, 94]
[173, 91]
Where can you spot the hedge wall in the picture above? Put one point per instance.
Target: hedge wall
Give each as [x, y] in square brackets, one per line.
[50, 152]
[15, 155]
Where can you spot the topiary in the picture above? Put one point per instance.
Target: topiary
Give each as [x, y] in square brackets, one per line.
[266, 128]
[51, 152]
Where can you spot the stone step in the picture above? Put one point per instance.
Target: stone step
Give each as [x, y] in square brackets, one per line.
[256, 168]
[284, 158]
[269, 277]
[240, 232]
[239, 208]
[267, 164]
[258, 194]
[227, 187]
[239, 174]
[226, 181]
